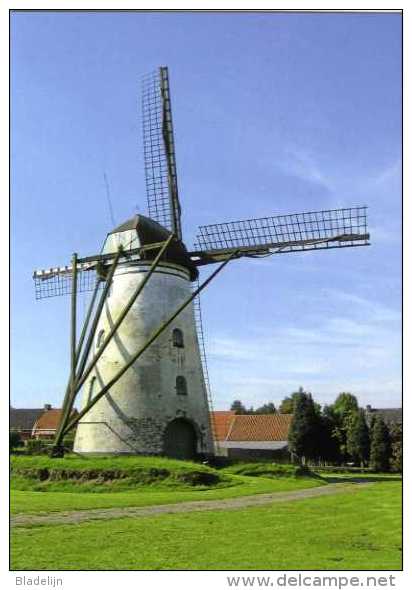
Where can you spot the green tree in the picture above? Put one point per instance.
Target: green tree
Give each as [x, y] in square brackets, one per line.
[238, 407]
[341, 411]
[395, 461]
[304, 430]
[380, 446]
[287, 404]
[345, 403]
[357, 437]
[268, 408]
[329, 445]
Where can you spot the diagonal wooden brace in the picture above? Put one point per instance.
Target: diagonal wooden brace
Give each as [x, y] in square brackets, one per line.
[124, 312]
[57, 450]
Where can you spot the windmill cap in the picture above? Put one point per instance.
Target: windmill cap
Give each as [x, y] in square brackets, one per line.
[148, 231]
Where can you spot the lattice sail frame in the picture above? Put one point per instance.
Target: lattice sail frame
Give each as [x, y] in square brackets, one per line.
[91, 270]
[310, 230]
[159, 152]
[58, 281]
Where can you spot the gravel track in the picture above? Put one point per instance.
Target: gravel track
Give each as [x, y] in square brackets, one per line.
[79, 516]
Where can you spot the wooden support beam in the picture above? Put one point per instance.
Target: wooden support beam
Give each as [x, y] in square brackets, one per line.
[73, 327]
[202, 257]
[79, 348]
[125, 253]
[57, 450]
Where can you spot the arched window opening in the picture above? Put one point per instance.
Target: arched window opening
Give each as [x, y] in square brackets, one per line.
[100, 338]
[91, 390]
[177, 336]
[181, 385]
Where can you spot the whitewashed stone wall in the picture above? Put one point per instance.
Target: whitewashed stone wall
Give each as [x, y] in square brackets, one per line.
[132, 417]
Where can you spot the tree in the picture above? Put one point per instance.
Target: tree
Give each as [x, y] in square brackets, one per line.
[357, 437]
[328, 443]
[268, 408]
[15, 440]
[380, 446]
[341, 412]
[287, 404]
[345, 403]
[238, 407]
[304, 429]
[395, 433]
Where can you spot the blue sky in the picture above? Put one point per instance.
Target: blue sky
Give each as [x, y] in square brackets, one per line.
[273, 113]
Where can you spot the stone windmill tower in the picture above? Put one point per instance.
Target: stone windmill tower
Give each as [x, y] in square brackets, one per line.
[159, 405]
[138, 361]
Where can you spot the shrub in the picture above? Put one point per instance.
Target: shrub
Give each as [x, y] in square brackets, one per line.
[68, 442]
[35, 446]
[15, 440]
[268, 470]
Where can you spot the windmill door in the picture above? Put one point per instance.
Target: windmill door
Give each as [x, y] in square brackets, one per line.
[180, 440]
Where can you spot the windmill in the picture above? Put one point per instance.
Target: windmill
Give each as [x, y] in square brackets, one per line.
[138, 361]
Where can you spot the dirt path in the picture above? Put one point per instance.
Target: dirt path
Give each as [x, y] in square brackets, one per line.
[79, 516]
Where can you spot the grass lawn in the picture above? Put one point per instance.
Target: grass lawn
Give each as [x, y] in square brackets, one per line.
[128, 462]
[106, 474]
[73, 483]
[358, 529]
[33, 502]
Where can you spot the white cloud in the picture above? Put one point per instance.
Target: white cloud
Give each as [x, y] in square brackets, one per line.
[370, 309]
[303, 164]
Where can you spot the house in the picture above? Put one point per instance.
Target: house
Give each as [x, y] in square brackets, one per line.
[22, 420]
[252, 436]
[389, 415]
[40, 423]
[46, 425]
[221, 422]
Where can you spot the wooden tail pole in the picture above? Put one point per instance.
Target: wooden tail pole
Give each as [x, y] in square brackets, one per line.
[79, 347]
[87, 319]
[93, 328]
[73, 358]
[122, 315]
[73, 322]
[57, 450]
[153, 337]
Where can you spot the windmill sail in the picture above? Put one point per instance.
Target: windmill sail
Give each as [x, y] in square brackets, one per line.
[58, 281]
[313, 230]
[159, 152]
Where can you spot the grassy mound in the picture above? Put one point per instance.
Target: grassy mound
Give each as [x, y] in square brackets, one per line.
[271, 470]
[103, 474]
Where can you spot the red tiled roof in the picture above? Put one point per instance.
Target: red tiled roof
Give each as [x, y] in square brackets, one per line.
[260, 427]
[221, 423]
[49, 420]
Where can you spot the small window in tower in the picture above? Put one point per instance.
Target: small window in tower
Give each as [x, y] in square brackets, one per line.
[178, 338]
[181, 386]
[100, 339]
